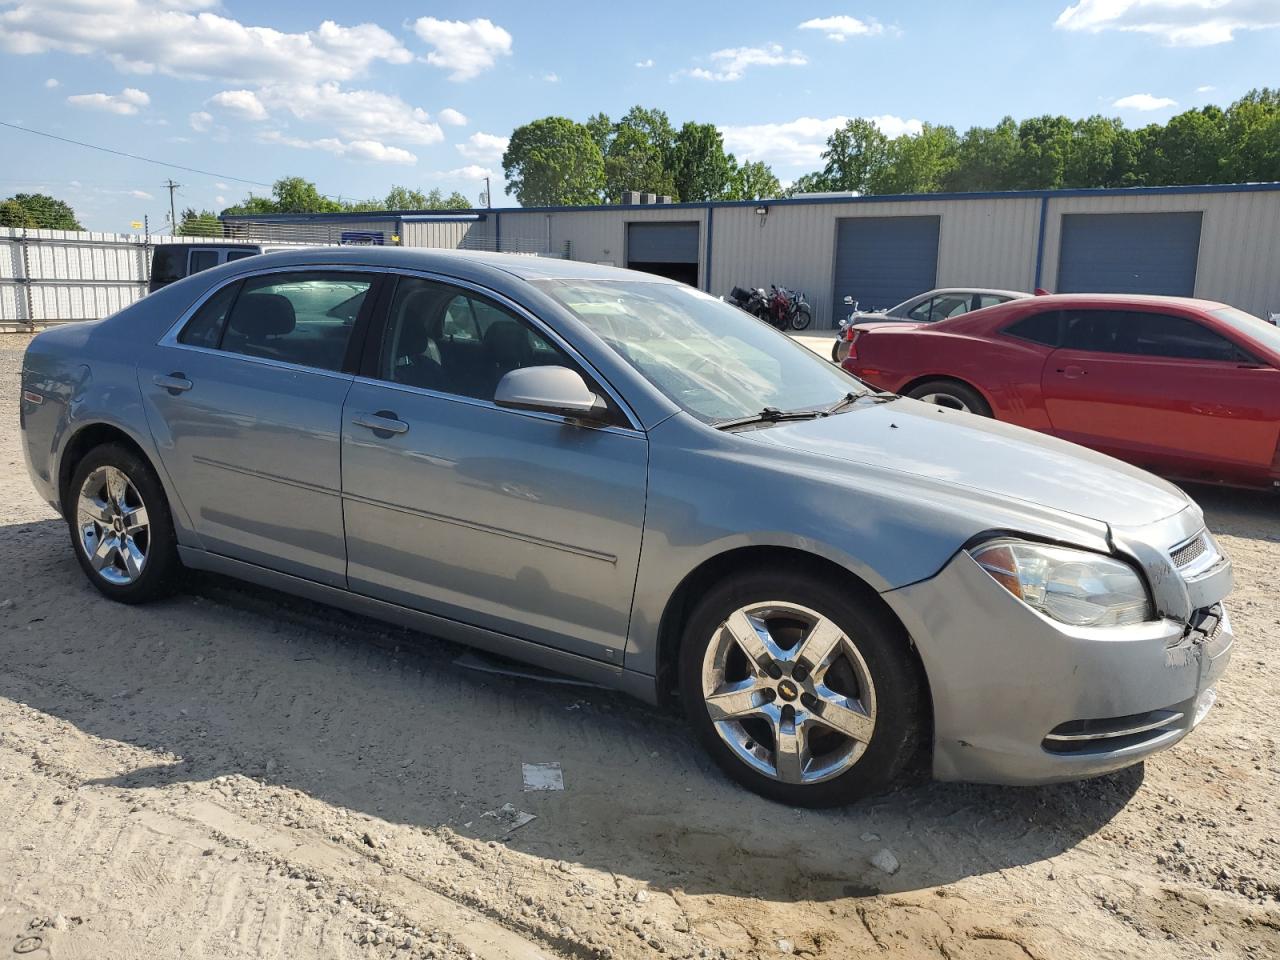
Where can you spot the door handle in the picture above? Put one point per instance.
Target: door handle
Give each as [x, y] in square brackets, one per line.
[1072, 371]
[175, 383]
[384, 423]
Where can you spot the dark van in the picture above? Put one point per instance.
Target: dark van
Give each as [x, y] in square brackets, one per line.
[173, 261]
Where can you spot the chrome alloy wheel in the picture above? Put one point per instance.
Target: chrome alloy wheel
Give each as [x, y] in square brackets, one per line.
[788, 692]
[112, 522]
[948, 400]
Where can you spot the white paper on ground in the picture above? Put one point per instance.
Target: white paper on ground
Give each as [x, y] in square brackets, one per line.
[542, 776]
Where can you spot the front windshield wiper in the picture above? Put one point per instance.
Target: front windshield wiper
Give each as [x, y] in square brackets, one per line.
[767, 415]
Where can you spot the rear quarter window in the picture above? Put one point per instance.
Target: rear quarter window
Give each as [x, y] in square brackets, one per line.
[1042, 328]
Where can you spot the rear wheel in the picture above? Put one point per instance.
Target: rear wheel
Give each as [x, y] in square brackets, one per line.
[799, 691]
[953, 395]
[121, 528]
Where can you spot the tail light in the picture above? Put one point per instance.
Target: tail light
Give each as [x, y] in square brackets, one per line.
[852, 335]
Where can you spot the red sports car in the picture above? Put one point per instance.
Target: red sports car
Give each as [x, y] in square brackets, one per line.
[1186, 388]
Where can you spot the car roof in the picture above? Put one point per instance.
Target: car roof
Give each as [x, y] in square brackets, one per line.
[1125, 299]
[995, 291]
[523, 266]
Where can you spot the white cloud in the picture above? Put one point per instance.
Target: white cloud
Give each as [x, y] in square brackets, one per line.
[467, 48]
[732, 63]
[645, 64]
[1179, 23]
[126, 102]
[452, 117]
[484, 147]
[800, 142]
[1207, 88]
[357, 114]
[155, 36]
[371, 150]
[842, 28]
[551, 77]
[141, 195]
[51, 83]
[244, 103]
[220, 200]
[200, 121]
[1143, 101]
[471, 171]
[220, 185]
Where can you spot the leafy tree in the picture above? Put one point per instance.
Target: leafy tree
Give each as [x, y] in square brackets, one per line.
[553, 162]
[855, 156]
[1045, 145]
[700, 168]
[817, 182]
[750, 181]
[202, 224]
[601, 129]
[14, 214]
[916, 164]
[633, 163]
[1252, 147]
[42, 211]
[986, 159]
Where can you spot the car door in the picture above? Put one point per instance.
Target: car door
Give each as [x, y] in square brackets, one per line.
[520, 522]
[1159, 388]
[244, 399]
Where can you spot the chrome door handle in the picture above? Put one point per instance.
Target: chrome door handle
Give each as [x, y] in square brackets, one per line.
[175, 383]
[383, 423]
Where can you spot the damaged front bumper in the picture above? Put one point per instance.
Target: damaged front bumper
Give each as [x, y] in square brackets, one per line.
[1019, 698]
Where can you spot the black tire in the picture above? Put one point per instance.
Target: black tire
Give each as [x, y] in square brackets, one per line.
[884, 648]
[835, 352]
[802, 319]
[953, 395]
[161, 569]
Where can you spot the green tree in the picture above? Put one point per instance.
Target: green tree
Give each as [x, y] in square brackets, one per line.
[1188, 149]
[1045, 145]
[601, 129]
[553, 162]
[1253, 137]
[700, 168]
[986, 159]
[816, 182]
[916, 163]
[750, 181]
[297, 195]
[633, 163]
[205, 223]
[45, 212]
[14, 214]
[855, 156]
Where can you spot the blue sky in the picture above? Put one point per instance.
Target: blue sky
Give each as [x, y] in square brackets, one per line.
[358, 97]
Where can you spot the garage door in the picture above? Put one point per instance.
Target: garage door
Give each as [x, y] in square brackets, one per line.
[881, 261]
[667, 249]
[1129, 253]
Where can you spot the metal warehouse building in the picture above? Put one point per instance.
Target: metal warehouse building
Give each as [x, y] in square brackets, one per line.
[1220, 242]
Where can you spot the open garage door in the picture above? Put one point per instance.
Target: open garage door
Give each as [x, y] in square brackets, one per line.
[667, 249]
[1129, 253]
[881, 261]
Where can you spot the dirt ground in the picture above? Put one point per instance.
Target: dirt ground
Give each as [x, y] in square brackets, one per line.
[235, 774]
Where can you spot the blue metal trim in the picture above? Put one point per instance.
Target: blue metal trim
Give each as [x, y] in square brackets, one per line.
[706, 269]
[1044, 216]
[800, 201]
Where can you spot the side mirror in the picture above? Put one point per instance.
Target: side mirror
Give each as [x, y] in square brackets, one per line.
[848, 301]
[551, 389]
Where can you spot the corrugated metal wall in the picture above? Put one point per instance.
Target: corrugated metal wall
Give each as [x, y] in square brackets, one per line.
[440, 234]
[1239, 260]
[983, 242]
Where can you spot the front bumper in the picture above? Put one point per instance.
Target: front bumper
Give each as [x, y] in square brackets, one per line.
[1021, 699]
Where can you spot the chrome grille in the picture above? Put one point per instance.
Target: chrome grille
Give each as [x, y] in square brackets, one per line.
[1189, 552]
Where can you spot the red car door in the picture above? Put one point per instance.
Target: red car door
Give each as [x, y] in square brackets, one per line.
[1161, 390]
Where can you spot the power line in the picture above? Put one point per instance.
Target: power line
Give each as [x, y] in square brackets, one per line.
[133, 156]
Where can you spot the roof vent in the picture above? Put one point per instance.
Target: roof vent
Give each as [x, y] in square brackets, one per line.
[631, 198]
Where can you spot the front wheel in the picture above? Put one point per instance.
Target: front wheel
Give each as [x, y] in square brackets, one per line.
[802, 319]
[800, 692]
[121, 528]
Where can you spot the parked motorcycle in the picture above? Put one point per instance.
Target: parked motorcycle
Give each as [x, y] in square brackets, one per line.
[783, 308]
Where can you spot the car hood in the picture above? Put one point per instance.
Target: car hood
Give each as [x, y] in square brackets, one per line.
[998, 459]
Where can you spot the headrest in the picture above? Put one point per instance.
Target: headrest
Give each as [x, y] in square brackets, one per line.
[507, 344]
[262, 315]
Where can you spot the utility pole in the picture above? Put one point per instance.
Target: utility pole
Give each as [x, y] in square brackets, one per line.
[173, 216]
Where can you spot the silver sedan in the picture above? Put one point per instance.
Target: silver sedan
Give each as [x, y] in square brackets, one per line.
[922, 308]
[621, 478]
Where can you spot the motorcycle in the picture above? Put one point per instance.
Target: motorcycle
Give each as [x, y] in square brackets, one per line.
[783, 308]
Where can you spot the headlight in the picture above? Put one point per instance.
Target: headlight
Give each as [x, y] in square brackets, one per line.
[1072, 586]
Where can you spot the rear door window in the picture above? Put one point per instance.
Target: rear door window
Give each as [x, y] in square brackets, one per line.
[1139, 333]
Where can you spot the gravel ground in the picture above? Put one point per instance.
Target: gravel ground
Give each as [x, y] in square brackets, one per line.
[233, 773]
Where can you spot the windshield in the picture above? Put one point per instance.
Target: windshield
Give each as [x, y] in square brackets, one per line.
[712, 359]
[1254, 328]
